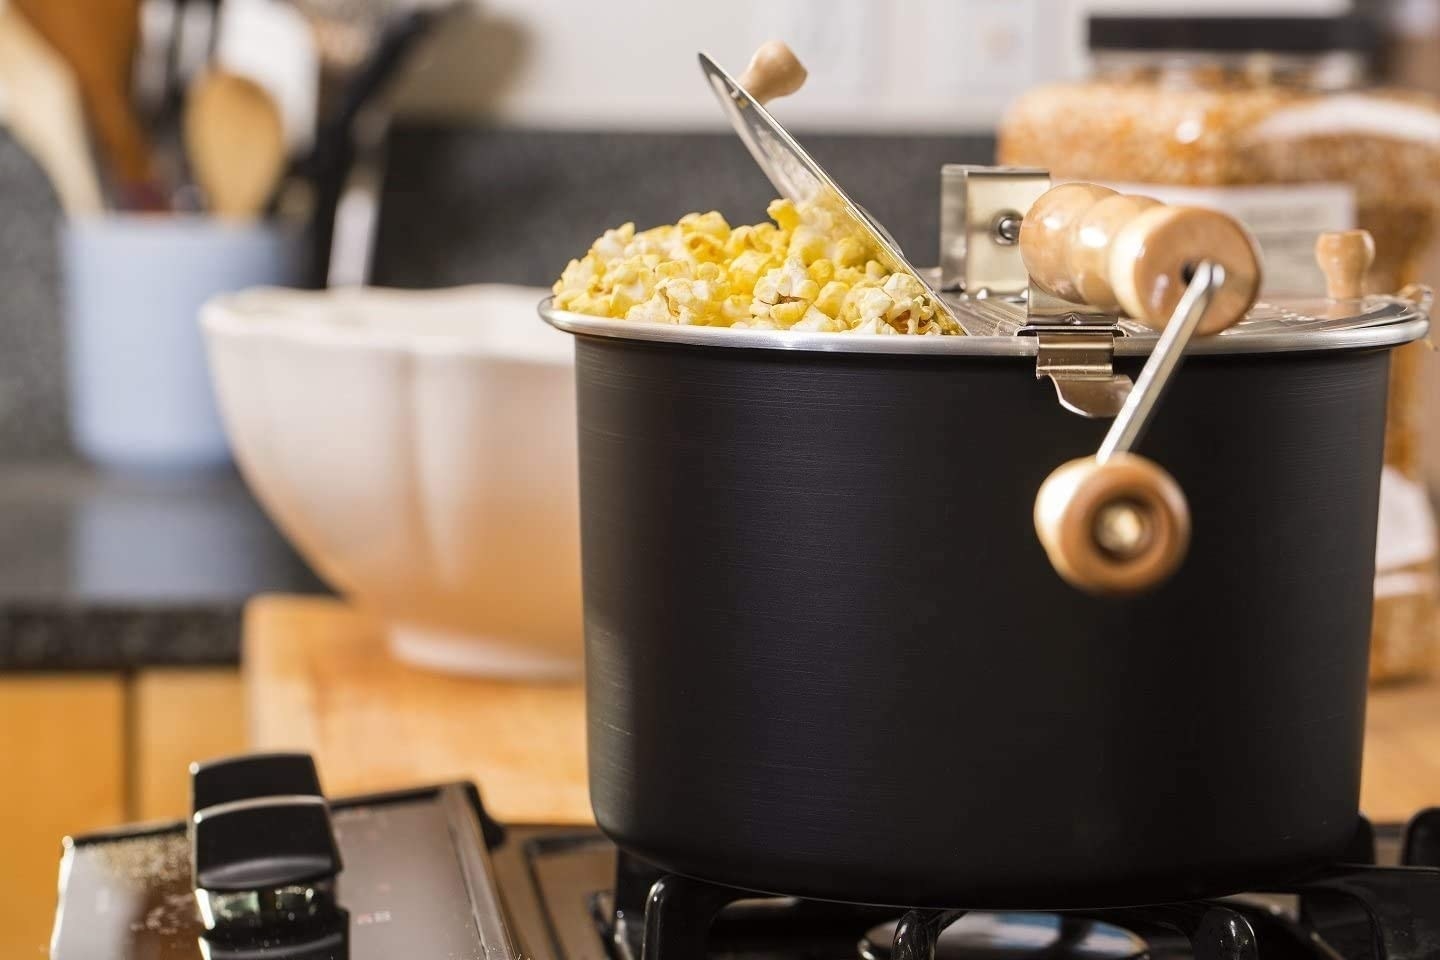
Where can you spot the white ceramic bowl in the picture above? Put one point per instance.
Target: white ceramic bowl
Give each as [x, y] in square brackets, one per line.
[418, 448]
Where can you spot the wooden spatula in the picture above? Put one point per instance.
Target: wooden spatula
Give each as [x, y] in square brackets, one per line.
[44, 112]
[235, 140]
[98, 39]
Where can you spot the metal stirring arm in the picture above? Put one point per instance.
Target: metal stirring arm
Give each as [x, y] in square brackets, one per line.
[1134, 416]
[1117, 522]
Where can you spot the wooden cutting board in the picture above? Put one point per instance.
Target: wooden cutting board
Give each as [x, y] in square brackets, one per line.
[318, 679]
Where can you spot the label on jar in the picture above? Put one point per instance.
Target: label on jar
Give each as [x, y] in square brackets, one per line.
[1285, 219]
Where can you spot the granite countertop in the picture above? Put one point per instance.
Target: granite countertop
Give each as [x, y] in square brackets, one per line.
[103, 570]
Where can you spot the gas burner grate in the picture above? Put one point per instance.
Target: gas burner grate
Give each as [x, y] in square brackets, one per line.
[1351, 911]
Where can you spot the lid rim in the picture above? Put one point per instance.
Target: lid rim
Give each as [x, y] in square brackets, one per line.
[1407, 326]
[1232, 34]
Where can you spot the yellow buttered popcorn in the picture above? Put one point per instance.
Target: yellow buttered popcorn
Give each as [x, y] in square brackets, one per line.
[810, 270]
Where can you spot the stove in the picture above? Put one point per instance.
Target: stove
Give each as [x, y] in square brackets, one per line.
[266, 869]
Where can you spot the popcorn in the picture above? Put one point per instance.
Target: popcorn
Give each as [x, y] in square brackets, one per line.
[784, 213]
[865, 304]
[850, 252]
[809, 270]
[747, 268]
[693, 301]
[814, 320]
[612, 243]
[787, 314]
[654, 310]
[789, 282]
[831, 298]
[734, 309]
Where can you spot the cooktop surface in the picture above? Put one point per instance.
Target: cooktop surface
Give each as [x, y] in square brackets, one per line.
[266, 869]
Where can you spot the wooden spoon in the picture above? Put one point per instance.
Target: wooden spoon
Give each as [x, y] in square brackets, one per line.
[98, 39]
[235, 139]
[43, 109]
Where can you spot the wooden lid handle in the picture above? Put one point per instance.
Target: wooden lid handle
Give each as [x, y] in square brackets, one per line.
[1345, 257]
[1116, 527]
[1086, 243]
[774, 71]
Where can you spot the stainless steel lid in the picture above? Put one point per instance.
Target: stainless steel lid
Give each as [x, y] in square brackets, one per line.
[1271, 327]
[795, 174]
[994, 325]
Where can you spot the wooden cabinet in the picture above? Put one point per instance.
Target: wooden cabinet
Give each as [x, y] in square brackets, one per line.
[179, 716]
[81, 752]
[62, 743]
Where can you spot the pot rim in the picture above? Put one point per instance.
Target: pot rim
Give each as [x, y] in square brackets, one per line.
[1386, 322]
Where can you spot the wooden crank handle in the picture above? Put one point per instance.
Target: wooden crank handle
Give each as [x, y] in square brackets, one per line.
[1088, 244]
[1345, 257]
[1116, 527]
[774, 71]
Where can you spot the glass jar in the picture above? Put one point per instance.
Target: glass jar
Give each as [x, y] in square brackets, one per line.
[1226, 104]
[1272, 121]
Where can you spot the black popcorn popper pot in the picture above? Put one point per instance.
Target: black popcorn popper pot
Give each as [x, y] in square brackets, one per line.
[863, 613]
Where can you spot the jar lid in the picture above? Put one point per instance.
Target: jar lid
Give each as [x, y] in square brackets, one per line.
[1135, 33]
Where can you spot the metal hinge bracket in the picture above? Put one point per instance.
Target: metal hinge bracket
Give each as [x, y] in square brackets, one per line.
[1080, 362]
[980, 212]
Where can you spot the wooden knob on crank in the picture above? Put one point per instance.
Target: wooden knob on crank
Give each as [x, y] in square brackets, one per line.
[774, 71]
[1088, 244]
[1116, 527]
[1345, 257]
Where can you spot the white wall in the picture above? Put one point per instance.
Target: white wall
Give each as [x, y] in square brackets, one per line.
[874, 65]
[630, 64]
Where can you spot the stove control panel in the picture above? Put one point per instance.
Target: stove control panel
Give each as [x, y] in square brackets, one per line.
[267, 867]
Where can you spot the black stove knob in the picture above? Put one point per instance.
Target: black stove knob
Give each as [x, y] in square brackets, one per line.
[266, 843]
[263, 849]
[254, 775]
